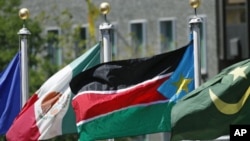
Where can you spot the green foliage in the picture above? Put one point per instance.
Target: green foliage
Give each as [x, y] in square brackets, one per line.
[40, 65]
[9, 40]
[2, 138]
[10, 25]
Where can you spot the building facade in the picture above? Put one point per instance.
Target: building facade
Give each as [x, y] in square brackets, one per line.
[141, 27]
[232, 31]
[148, 27]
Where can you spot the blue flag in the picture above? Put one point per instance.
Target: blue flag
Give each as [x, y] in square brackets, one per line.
[181, 81]
[10, 94]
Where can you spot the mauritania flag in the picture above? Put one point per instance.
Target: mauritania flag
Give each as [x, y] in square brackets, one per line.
[10, 94]
[120, 98]
[207, 112]
[48, 113]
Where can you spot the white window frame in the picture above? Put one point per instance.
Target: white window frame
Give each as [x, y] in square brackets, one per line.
[58, 62]
[53, 28]
[86, 26]
[144, 33]
[115, 39]
[76, 46]
[173, 20]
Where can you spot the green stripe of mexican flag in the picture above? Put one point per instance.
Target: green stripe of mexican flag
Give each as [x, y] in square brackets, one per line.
[84, 62]
[48, 113]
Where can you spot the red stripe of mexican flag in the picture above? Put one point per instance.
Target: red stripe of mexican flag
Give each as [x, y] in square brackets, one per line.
[48, 113]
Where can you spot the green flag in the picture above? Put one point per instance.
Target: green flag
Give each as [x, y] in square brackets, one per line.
[207, 112]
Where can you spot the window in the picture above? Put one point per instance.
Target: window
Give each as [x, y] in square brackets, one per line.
[54, 51]
[203, 45]
[235, 12]
[113, 39]
[83, 37]
[236, 23]
[138, 37]
[167, 34]
[80, 39]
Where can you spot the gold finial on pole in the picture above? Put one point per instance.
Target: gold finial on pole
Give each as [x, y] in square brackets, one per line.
[24, 13]
[104, 8]
[195, 4]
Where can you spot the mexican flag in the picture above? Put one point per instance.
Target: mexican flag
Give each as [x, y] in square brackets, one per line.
[131, 97]
[48, 113]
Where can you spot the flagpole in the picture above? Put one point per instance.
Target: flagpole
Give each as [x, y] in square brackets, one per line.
[195, 29]
[23, 45]
[105, 29]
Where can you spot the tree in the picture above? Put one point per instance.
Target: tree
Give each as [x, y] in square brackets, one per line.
[10, 25]
[9, 40]
[40, 66]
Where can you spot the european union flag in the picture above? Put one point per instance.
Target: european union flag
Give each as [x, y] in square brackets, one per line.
[181, 81]
[10, 94]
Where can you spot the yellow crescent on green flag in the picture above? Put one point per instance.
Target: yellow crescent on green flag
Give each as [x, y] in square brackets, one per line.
[207, 112]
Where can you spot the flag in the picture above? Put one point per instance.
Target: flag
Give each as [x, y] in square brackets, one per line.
[10, 94]
[207, 112]
[48, 113]
[121, 98]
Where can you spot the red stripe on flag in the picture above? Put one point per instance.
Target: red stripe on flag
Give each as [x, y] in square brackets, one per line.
[89, 104]
[24, 126]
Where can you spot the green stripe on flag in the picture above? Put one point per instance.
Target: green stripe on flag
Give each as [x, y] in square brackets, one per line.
[89, 59]
[69, 121]
[130, 121]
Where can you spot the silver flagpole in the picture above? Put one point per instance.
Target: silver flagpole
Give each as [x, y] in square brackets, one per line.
[195, 29]
[23, 45]
[105, 28]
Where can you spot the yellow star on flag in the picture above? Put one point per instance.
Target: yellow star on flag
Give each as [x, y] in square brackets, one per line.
[238, 72]
[182, 84]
